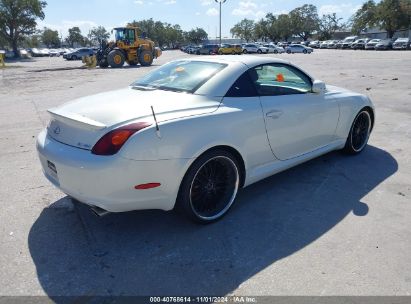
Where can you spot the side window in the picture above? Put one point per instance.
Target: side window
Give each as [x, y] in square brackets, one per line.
[280, 79]
[243, 87]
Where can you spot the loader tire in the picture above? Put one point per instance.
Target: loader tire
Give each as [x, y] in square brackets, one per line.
[103, 64]
[146, 58]
[115, 59]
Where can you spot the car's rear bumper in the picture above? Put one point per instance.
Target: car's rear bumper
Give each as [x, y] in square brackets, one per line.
[109, 182]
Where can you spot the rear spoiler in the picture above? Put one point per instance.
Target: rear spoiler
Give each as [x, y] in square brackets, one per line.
[76, 120]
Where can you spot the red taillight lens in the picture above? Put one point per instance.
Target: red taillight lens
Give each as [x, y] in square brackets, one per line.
[112, 142]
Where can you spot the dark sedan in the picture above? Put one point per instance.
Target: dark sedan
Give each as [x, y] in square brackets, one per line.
[78, 54]
[384, 45]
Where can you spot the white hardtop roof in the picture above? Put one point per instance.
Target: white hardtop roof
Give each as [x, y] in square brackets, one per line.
[248, 60]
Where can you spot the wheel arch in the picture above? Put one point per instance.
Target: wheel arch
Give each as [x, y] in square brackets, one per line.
[235, 153]
[372, 114]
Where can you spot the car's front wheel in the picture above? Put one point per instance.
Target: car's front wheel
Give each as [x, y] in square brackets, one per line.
[210, 186]
[359, 133]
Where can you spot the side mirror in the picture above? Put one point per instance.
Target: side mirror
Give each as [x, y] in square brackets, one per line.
[318, 87]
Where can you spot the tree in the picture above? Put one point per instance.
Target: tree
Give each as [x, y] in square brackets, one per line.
[391, 15]
[243, 30]
[197, 35]
[283, 25]
[304, 20]
[328, 25]
[365, 16]
[261, 30]
[18, 19]
[50, 38]
[74, 36]
[98, 35]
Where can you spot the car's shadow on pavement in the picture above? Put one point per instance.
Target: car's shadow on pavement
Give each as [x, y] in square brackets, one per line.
[160, 253]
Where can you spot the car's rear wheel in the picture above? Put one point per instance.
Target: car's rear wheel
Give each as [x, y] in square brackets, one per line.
[245, 51]
[359, 133]
[259, 51]
[210, 186]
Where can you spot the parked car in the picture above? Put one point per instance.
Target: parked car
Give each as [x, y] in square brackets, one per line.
[314, 44]
[254, 48]
[105, 150]
[233, 49]
[385, 44]
[324, 44]
[339, 44]
[401, 44]
[208, 49]
[274, 49]
[370, 45]
[359, 44]
[192, 49]
[332, 44]
[23, 53]
[346, 43]
[35, 52]
[54, 53]
[78, 54]
[9, 54]
[45, 52]
[298, 48]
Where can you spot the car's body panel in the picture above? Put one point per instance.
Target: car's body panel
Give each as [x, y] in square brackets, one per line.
[309, 125]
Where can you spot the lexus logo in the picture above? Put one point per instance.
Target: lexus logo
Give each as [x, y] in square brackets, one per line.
[57, 130]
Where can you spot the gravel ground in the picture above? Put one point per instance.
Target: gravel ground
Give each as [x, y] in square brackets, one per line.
[336, 225]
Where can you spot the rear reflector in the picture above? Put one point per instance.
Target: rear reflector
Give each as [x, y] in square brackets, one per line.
[147, 186]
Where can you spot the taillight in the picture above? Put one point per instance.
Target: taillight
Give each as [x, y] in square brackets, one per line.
[112, 142]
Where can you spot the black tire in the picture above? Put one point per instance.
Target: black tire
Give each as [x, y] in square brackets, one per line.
[209, 187]
[275, 52]
[305, 51]
[288, 52]
[359, 133]
[116, 59]
[245, 51]
[103, 64]
[74, 57]
[146, 58]
[259, 51]
[220, 53]
[198, 53]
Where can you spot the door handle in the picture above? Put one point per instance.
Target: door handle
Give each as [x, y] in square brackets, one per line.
[274, 114]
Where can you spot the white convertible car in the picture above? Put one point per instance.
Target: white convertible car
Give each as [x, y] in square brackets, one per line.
[193, 132]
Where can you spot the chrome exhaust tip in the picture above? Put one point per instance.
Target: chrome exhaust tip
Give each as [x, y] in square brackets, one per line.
[99, 211]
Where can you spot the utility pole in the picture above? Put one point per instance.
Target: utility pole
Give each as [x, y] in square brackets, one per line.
[221, 2]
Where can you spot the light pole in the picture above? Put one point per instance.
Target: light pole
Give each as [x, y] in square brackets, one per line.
[221, 3]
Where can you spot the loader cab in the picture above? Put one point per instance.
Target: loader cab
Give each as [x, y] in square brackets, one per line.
[125, 35]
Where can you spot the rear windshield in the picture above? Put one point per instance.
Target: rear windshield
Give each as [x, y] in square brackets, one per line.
[180, 76]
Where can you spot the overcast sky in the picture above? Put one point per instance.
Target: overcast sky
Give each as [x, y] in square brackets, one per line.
[61, 15]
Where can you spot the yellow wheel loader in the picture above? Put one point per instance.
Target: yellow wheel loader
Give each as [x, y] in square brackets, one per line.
[128, 47]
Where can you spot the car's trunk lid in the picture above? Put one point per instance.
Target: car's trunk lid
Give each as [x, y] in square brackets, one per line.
[82, 122]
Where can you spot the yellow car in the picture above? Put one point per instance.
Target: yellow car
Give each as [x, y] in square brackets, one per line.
[230, 49]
